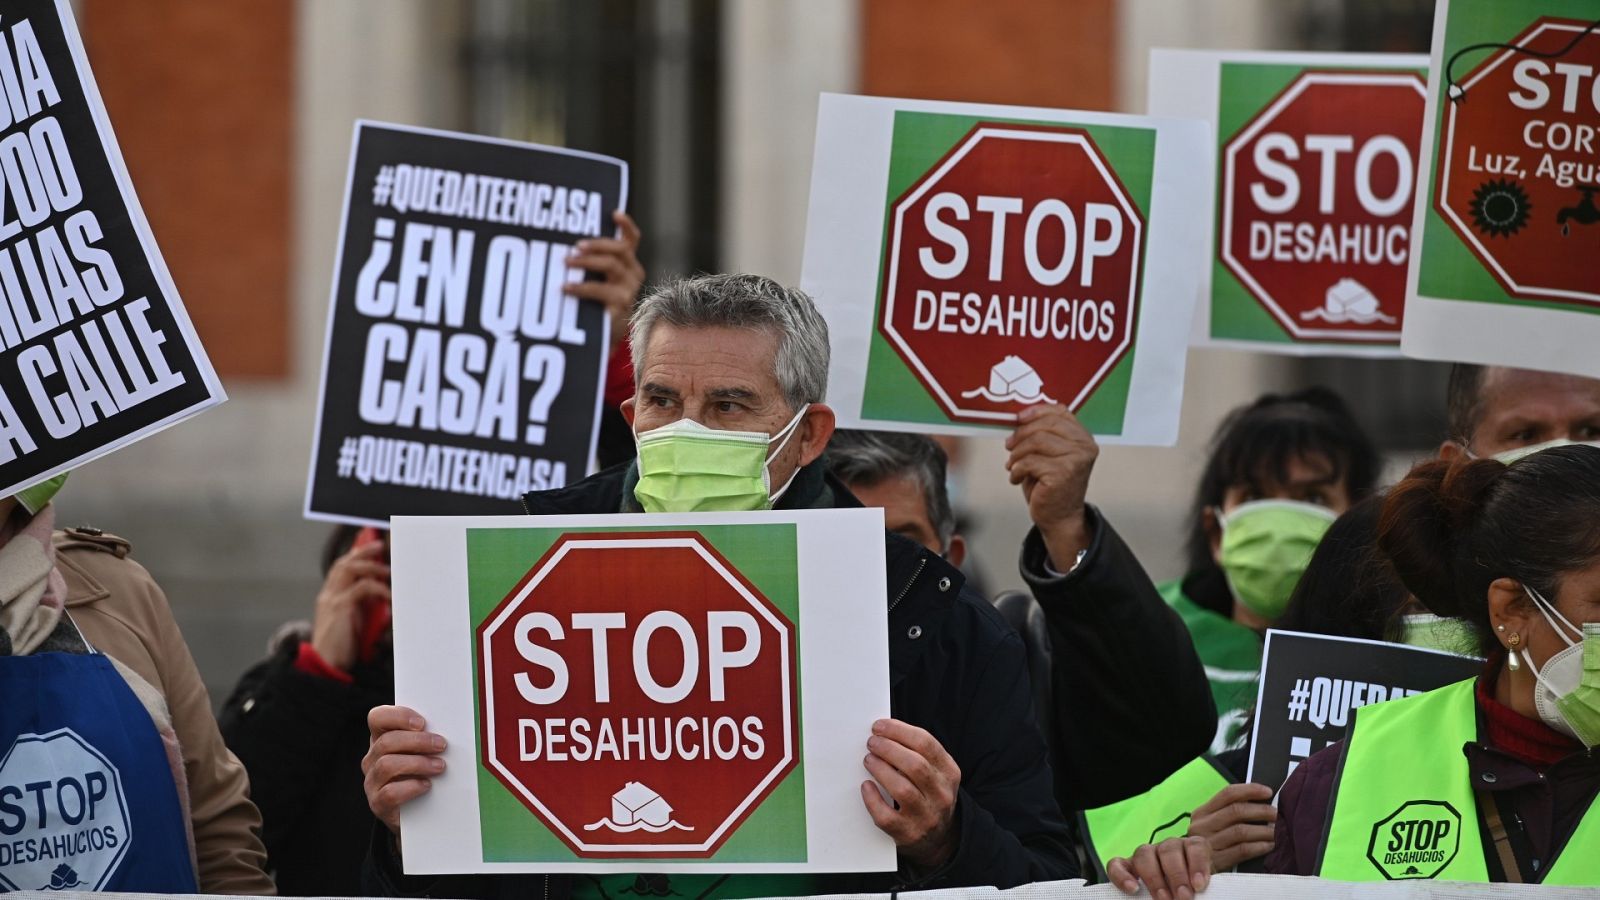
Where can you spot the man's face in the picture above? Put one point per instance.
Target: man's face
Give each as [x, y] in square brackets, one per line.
[905, 512]
[723, 378]
[1519, 408]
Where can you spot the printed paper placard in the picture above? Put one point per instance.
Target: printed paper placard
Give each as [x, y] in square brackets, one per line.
[1312, 684]
[96, 349]
[1508, 229]
[972, 260]
[1317, 160]
[458, 375]
[679, 693]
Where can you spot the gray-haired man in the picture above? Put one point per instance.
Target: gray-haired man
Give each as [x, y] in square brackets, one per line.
[968, 770]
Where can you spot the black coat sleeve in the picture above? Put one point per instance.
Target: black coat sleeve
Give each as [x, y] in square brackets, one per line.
[1132, 704]
[381, 876]
[1010, 830]
[288, 728]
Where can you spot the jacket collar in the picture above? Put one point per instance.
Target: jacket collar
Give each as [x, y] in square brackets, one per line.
[82, 588]
[611, 490]
[923, 589]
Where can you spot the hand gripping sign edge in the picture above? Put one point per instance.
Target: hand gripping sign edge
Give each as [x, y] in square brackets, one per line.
[569, 832]
[1480, 245]
[890, 276]
[1248, 133]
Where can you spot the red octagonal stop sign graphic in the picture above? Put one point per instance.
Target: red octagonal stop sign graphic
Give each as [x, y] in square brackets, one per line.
[1519, 162]
[638, 694]
[1317, 195]
[1013, 272]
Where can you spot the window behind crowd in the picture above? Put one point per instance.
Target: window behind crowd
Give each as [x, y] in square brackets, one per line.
[636, 79]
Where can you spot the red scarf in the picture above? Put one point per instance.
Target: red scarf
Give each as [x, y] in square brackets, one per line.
[1529, 740]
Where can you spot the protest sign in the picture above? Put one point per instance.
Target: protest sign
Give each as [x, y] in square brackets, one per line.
[694, 690]
[1507, 230]
[972, 260]
[457, 374]
[1315, 180]
[96, 350]
[1312, 684]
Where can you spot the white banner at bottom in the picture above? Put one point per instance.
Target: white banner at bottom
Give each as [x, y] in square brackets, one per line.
[1270, 887]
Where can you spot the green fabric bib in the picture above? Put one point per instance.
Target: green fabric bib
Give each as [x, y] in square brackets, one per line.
[1155, 815]
[1403, 805]
[1231, 654]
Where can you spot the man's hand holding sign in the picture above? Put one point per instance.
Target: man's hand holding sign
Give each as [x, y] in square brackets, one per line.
[1052, 457]
[923, 782]
[616, 262]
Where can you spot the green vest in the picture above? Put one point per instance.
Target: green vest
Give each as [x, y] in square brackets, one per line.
[1403, 805]
[1163, 811]
[1231, 654]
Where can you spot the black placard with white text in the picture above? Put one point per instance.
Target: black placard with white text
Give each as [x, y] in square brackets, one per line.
[458, 374]
[1312, 684]
[96, 350]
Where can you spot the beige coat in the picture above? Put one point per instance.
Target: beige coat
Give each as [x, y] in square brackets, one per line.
[123, 613]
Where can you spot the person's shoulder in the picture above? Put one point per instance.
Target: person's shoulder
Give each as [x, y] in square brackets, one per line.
[96, 566]
[598, 493]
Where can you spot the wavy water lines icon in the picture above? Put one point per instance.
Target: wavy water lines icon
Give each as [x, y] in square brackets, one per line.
[638, 808]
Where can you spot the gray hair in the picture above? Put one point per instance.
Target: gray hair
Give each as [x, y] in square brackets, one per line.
[870, 457]
[744, 301]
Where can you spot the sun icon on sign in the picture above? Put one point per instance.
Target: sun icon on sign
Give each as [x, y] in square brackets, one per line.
[1500, 208]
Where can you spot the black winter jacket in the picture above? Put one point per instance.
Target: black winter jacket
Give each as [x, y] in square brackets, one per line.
[955, 669]
[301, 737]
[1131, 704]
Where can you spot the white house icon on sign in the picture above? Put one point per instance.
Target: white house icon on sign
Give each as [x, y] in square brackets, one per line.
[637, 803]
[638, 808]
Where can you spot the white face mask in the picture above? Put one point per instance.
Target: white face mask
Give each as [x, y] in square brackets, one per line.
[1562, 673]
[1515, 453]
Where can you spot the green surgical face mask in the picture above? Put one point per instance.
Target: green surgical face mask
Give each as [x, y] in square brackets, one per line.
[687, 467]
[34, 498]
[1433, 632]
[1266, 545]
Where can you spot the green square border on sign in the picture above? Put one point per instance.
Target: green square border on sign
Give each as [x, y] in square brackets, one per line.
[767, 555]
[1448, 269]
[1244, 89]
[921, 139]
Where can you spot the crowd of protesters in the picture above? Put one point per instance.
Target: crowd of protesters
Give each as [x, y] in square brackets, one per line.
[1011, 716]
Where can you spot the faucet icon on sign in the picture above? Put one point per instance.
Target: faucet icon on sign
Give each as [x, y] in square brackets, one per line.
[1585, 212]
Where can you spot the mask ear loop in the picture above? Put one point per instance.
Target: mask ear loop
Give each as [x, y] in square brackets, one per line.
[782, 437]
[782, 440]
[1551, 615]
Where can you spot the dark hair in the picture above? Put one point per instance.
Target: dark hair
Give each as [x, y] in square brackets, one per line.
[1464, 401]
[869, 457]
[339, 542]
[1452, 528]
[1349, 588]
[1256, 443]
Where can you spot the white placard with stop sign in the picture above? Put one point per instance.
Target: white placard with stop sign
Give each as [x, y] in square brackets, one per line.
[644, 693]
[974, 260]
[1317, 162]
